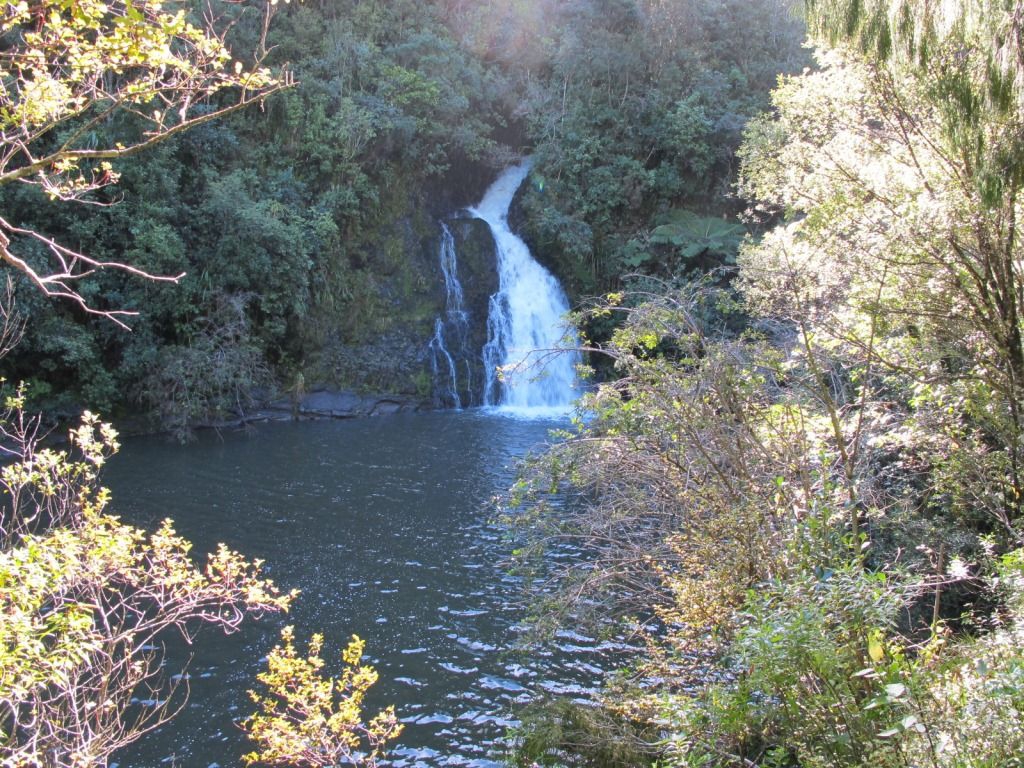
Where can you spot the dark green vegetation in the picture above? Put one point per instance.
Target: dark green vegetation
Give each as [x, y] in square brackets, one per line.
[307, 224]
[804, 475]
[635, 132]
[806, 486]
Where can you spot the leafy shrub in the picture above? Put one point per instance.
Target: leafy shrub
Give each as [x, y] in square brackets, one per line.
[213, 375]
[86, 599]
[307, 721]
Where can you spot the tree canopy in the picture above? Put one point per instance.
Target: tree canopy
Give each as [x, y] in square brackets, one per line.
[71, 70]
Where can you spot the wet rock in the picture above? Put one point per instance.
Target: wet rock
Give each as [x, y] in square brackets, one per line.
[341, 405]
[478, 275]
[336, 404]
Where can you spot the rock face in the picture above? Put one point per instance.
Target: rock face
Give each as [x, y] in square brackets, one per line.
[393, 361]
[378, 338]
[392, 354]
[319, 404]
[331, 404]
[478, 268]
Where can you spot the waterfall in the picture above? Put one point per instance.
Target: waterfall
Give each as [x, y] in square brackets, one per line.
[526, 364]
[456, 323]
[447, 380]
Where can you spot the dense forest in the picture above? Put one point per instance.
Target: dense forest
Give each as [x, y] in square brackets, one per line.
[307, 225]
[797, 477]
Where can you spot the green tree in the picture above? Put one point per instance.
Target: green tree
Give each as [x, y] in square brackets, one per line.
[811, 508]
[898, 166]
[639, 113]
[86, 600]
[70, 70]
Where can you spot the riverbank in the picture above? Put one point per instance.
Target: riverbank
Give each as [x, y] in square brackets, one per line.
[315, 405]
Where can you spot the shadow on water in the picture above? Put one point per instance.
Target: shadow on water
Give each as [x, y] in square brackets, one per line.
[384, 524]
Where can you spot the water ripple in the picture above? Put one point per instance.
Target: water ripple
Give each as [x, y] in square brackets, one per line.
[384, 526]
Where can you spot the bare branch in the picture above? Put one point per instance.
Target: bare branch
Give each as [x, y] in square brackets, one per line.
[75, 72]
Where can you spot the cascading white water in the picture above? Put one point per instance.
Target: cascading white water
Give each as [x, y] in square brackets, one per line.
[456, 321]
[529, 360]
[450, 379]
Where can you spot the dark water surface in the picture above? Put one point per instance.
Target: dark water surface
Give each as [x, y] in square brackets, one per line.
[385, 526]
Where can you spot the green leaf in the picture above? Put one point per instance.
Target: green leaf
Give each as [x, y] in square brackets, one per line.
[895, 690]
[696, 235]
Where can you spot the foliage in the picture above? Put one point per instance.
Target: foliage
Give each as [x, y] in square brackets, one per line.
[823, 678]
[212, 375]
[558, 732]
[813, 514]
[70, 70]
[293, 206]
[694, 466]
[715, 240]
[306, 720]
[87, 602]
[640, 115]
[805, 688]
[885, 249]
[318, 204]
[750, 500]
